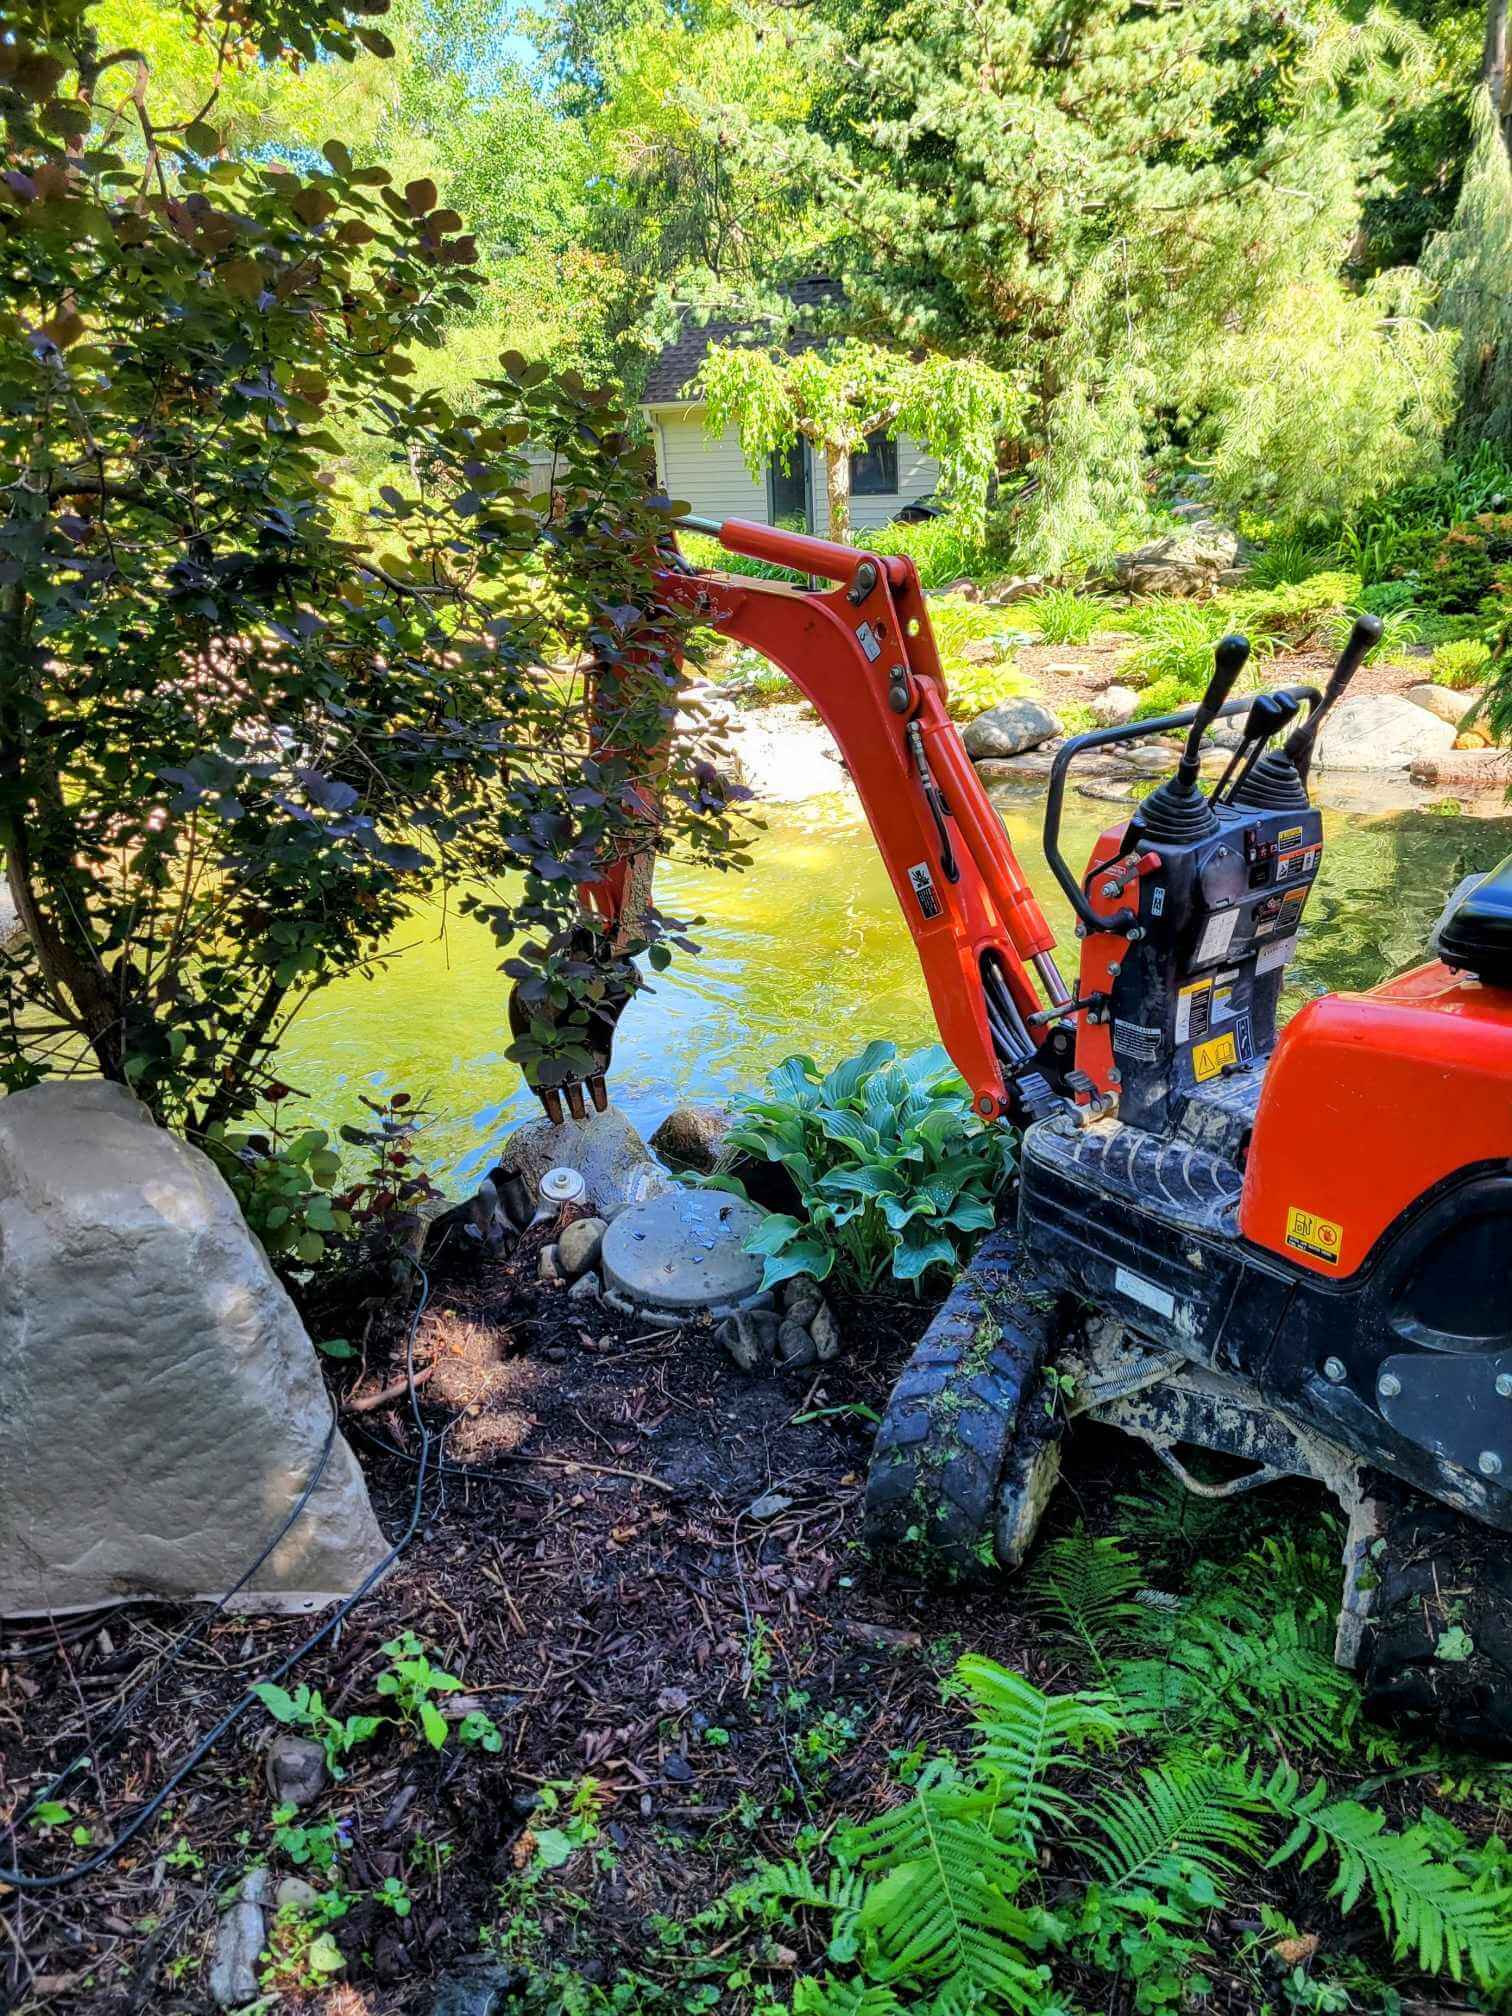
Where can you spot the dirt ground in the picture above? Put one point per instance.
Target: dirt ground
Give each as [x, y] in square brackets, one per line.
[612, 1594]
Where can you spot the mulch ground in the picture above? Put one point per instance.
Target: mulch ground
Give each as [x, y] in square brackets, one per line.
[609, 1597]
[1066, 674]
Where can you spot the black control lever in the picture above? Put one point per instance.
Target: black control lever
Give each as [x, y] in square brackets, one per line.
[1363, 639]
[1229, 660]
[1270, 713]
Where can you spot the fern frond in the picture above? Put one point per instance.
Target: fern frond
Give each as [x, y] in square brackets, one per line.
[1429, 1908]
[1216, 1676]
[1186, 1817]
[1087, 1586]
[829, 1997]
[943, 1910]
[1025, 1734]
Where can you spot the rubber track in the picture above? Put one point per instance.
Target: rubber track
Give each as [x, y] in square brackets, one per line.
[1444, 1578]
[949, 1426]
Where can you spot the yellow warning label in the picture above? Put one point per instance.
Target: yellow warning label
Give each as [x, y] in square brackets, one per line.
[1309, 1233]
[1289, 836]
[1209, 1058]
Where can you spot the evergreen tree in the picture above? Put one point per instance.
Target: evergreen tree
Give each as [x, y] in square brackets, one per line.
[1098, 201]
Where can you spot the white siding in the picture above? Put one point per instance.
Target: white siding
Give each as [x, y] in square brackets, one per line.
[710, 475]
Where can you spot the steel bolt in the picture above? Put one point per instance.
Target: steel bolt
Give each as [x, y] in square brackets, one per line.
[1333, 1369]
[1110, 888]
[1388, 1385]
[1115, 1077]
[1489, 1463]
[1504, 1385]
[1114, 970]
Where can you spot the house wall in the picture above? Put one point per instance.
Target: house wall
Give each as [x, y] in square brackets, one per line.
[709, 474]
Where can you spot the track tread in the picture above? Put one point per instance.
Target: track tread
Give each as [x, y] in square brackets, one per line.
[1440, 1569]
[949, 1427]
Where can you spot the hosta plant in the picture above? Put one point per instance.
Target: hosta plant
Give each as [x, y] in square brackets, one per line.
[894, 1173]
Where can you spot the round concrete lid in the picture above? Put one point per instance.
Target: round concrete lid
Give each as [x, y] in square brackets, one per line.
[683, 1251]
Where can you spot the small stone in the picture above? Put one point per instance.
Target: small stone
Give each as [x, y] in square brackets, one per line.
[1010, 728]
[825, 1332]
[1114, 706]
[586, 1288]
[295, 1769]
[548, 1267]
[770, 1505]
[965, 589]
[678, 1769]
[672, 1701]
[1029, 768]
[478, 1988]
[555, 1354]
[750, 1337]
[794, 1344]
[801, 1297]
[578, 1244]
[691, 1137]
[238, 1942]
[295, 1894]
[523, 1804]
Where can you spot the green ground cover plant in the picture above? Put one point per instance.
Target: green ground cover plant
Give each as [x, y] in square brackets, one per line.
[1460, 665]
[894, 1174]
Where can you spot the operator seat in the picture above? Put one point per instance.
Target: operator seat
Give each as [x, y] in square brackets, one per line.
[1474, 935]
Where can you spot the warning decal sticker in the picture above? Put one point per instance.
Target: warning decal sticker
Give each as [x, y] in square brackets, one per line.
[1217, 936]
[1209, 1058]
[1192, 1006]
[1136, 1039]
[1306, 1232]
[924, 889]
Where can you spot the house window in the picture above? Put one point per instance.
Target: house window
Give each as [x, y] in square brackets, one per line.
[874, 470]
[787, 487]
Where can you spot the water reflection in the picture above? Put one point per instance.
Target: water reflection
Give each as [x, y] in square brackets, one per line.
[806, 951]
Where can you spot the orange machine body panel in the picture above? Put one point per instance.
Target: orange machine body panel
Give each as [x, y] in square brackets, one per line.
[1369, 1101]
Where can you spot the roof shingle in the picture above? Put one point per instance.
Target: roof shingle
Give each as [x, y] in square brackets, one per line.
[679, 362]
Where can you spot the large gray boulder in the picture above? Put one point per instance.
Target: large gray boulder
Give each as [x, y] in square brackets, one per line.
[1380, 731]
[605, 1150]
[1009, 729]
[1194, 560]
[161, 1407]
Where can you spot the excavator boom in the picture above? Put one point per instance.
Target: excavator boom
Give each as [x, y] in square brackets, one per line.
[862, 652]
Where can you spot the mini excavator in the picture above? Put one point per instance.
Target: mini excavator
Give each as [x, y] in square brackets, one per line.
[1287, 1248]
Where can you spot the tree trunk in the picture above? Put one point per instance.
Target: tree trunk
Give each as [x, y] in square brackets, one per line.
[1494, 69]
[837, 479]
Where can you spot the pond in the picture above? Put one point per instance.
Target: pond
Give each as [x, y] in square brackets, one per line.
[806, 951]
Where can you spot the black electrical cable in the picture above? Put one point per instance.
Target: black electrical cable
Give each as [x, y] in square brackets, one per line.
[18, 1879]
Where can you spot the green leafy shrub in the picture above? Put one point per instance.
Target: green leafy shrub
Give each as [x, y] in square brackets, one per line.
[894, 1172]
[1460, 665]
[1173, 659]
[1061, 616]
[1399, 628]
[1472, 561]
[971, 689]
[944, 549]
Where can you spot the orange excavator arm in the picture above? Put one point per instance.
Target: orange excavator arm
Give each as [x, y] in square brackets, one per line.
[863, 653]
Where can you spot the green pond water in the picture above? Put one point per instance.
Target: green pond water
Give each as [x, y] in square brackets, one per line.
[804, 952]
